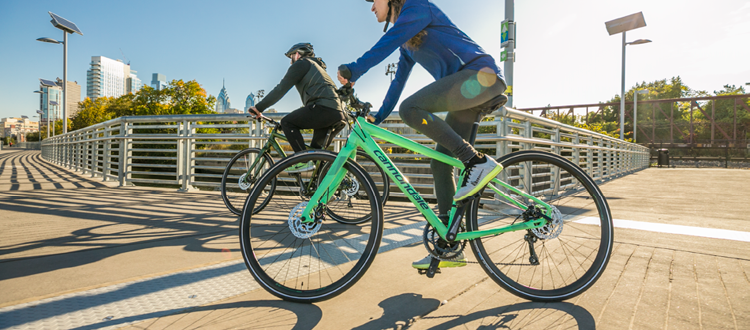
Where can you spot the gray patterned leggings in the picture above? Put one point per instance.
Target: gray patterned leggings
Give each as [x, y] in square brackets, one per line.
[461, 95]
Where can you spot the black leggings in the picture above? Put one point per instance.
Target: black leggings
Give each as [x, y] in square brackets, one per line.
[318, 118]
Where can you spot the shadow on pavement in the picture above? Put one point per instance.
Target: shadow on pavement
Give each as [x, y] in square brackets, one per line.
[399, 310]
[263, 314]
[104, 222]
[522, 316]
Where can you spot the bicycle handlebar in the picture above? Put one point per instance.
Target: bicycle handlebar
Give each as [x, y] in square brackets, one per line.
[346, 93]
[264, 118]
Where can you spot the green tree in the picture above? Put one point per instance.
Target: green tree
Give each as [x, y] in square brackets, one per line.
[91, 112]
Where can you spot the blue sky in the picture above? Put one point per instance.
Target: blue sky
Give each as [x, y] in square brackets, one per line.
[565, 55]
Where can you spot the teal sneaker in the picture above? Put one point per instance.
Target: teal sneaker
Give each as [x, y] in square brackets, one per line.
[458, 261]
[301, 167]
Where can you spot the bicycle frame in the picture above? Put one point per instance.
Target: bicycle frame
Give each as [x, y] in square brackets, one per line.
[361, 137]
[270, 143]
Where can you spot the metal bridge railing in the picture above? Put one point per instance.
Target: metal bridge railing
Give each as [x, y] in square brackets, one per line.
[191, 151]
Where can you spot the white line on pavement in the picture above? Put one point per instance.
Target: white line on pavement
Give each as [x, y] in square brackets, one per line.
[675, 229]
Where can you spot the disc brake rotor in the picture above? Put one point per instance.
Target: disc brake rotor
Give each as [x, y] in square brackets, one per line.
[299, 229]
[244, 184]
[551, 229]
[352, 186]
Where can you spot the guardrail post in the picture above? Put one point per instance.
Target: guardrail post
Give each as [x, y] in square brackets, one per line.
[527, 133]
[502, 131]
[124, 166]
[106, 156]
[94, 153]
[185, 159]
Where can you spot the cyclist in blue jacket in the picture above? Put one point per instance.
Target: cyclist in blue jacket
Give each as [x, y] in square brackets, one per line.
[466, 77]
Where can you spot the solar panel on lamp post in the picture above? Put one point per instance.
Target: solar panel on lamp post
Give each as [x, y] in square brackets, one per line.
[67, 27]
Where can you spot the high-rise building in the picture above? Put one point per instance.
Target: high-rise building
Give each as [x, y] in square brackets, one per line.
[50, 100]
[106, 77]
[222, 101]
[250, 101]
[133, 84]
[158, 81]
[73, 97]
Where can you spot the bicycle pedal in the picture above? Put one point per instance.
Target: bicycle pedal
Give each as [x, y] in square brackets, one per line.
[424, 271]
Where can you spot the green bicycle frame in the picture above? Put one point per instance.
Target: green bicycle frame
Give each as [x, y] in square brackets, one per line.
[270, 143]
[361, 137]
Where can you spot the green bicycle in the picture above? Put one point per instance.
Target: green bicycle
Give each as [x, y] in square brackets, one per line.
[541, 229]
[246, 167]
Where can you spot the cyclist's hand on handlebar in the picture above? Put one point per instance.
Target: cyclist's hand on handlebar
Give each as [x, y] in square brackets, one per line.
[343, 80]
[255, 112]
[371, 119]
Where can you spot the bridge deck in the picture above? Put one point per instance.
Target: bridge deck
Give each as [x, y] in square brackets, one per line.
[84, 255]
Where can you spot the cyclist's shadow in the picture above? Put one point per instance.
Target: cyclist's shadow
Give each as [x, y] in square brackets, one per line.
[399, 310]
[522, 316]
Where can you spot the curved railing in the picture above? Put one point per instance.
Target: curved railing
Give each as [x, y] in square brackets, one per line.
[191, 151]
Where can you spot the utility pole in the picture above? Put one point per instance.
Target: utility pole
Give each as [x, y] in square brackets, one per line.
[391, 70]
[508, 40]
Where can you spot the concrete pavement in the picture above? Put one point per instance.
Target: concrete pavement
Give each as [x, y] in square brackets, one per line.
[62, 247]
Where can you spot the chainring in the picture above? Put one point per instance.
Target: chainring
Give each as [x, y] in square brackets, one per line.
[440, 248]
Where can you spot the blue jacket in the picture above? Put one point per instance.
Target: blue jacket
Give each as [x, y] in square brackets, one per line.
[445, 50]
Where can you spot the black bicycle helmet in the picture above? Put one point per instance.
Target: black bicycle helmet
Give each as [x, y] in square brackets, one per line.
[304, 48]
[387, 18]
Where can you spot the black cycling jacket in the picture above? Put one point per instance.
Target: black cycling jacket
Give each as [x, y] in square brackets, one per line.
[313, 83]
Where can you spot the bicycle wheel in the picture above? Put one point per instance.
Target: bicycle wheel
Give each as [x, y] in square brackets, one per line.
[342, 207]
[301, 262]
[238, 179]
[554, 262]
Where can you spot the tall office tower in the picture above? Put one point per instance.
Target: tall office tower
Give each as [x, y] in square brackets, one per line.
[222, 102]
[50, 100]
[158, 81]
[249, 102]
[106, 77]
[74, 96]
[133, 84]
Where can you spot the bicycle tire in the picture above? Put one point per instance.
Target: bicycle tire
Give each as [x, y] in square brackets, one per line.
[337, 208]
[314, 268]
[570, 256]
[231, 193]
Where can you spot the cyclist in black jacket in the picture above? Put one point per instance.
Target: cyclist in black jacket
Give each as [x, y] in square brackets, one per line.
[322, 108]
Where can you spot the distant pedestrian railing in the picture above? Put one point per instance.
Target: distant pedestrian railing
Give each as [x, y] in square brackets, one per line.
[191, 151]
[29, 145]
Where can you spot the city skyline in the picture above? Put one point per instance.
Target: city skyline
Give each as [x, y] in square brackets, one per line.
[564, 55]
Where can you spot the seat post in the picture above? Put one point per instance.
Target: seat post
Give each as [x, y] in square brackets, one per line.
[475, 130]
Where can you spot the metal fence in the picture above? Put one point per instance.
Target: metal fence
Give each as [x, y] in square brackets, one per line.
[29, 145]
[191, 151]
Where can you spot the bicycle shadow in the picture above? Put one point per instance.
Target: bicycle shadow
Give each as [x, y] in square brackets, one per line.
[399, 310]
[526, 315]
[261, 314]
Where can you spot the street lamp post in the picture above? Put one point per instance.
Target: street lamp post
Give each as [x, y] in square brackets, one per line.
[67, 27]
[390, 69]
[635, 112]
[622, 90]
[622, 25]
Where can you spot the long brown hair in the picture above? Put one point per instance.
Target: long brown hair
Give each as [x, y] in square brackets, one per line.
[416, 40]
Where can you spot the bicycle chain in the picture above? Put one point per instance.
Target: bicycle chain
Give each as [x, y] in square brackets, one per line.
[477, 262]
